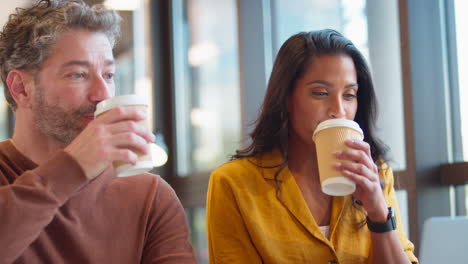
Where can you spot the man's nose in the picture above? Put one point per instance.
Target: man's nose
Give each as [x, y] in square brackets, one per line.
[100, 90]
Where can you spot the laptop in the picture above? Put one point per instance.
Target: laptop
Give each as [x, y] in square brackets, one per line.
[444, 240]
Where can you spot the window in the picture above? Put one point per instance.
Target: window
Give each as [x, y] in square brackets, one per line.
[197, 219]
[462, 65]
[206, 84]
[206, 97]
[3, 116]
[462, 57]
[348, 17]
[132, 51]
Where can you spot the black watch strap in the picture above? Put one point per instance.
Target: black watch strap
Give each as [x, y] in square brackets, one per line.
[387, 226]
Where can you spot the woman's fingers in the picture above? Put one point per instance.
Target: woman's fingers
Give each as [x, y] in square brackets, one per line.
[358, 157]
[359, 144]
[358, 152]
[358, 169]
[368, 189]
[364, 182]
[357, 165]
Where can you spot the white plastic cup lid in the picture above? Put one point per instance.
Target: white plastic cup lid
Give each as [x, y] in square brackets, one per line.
[337, 123]
[122, 100]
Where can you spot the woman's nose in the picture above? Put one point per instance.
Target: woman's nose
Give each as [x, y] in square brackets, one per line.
[336, 109]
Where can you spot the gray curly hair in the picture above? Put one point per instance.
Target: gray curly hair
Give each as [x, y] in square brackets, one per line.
[30, 32]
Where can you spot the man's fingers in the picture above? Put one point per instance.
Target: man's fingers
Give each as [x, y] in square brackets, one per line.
[117, 135]
[120, 114]
[131, 141]
[132, 127]
[125, 155]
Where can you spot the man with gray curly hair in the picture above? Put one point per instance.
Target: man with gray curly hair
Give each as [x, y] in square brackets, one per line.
[60, 201]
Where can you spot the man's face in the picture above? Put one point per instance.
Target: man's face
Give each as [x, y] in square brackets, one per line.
[76, 76]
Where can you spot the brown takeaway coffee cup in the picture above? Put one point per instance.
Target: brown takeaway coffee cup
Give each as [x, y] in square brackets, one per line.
[329, 137]
[144, 163]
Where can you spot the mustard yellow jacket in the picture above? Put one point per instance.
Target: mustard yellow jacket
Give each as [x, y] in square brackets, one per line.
[249, 222]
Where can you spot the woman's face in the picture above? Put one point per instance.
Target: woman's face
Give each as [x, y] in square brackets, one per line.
[327, 89]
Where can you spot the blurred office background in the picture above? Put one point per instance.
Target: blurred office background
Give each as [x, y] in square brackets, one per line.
[205, 64]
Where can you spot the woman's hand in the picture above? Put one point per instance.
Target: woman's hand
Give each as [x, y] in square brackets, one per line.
[363, 171]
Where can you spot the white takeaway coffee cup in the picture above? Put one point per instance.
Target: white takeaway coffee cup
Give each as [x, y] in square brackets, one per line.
[144, 163]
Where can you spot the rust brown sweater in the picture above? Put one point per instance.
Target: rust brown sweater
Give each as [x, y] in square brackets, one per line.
[52, 214]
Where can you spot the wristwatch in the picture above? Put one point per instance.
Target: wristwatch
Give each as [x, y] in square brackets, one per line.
[387, 226]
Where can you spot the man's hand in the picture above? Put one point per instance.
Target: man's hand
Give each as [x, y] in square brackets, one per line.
[109, 138]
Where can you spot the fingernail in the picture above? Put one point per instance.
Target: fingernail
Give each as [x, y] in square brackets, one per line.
[338, 153]
[337, 165]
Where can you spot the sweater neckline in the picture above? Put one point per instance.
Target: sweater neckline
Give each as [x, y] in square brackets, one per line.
[15, 155]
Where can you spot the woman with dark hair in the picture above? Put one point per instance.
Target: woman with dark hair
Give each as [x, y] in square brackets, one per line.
[267, 206]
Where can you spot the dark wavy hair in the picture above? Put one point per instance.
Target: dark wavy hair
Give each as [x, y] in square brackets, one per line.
[294, 56]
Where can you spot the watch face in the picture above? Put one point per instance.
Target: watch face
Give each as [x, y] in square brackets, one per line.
[391, 212]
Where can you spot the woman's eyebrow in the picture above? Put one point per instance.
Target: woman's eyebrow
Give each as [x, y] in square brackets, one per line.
[328, 84]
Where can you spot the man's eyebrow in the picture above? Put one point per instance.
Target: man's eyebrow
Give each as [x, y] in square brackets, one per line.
[75, 62]
[109, 62]
[328, 84]
[85, 63]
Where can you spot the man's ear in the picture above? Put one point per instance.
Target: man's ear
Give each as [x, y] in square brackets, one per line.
[20, 86]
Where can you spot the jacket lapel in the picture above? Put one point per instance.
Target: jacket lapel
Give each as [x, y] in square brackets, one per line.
[293, 200]
[291, 197]
[338, 207]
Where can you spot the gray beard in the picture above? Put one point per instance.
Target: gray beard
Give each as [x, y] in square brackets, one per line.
[56, 122]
